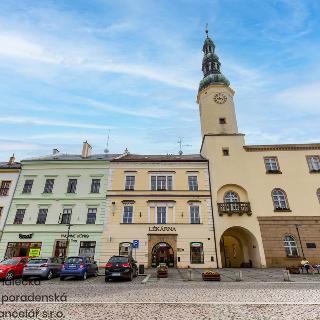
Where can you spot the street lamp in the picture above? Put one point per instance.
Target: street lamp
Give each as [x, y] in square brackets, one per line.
[69, 225]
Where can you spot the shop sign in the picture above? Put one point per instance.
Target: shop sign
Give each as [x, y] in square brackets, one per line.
[76, 235]
[162, 228]
[34, 252]
[25, 236]
[196, 244]
[126, 244]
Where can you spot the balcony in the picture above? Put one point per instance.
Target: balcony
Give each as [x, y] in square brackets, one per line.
[234, 207]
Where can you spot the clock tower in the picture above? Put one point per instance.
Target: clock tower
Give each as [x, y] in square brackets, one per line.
[215, 97]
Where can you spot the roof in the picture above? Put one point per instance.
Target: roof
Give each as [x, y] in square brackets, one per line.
[6, 165]
[160, 158]
[283, 147]
[74, 157]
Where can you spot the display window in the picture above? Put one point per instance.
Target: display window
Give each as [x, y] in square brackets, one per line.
[23, 249]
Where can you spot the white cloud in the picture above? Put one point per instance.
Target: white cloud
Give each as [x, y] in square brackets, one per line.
[48, 122]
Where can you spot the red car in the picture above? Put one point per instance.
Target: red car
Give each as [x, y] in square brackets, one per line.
[12, 268]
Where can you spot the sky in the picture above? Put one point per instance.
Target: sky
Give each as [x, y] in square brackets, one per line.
[79, 70]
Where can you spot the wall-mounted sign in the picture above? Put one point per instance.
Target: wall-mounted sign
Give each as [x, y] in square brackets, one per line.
[162, 228]
[311, 245]
[126, 244]
[25, 235]
[34, 252]
[135, 244]
[196, 244]
[76, 235]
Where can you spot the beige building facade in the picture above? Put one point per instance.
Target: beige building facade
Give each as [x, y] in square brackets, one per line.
[162, 203]
[266, 198]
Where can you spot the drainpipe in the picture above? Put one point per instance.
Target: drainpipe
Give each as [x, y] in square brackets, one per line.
[214, 228]
[297, 228]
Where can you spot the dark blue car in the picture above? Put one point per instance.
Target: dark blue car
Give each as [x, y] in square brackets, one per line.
[79, 267]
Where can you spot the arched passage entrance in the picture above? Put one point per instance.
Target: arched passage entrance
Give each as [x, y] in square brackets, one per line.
[162, 252]
[239, 248]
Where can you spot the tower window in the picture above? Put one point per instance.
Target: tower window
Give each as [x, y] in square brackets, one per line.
[222, 120]
[225, 152]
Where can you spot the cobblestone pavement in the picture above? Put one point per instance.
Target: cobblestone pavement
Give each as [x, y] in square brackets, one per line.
[172, 298]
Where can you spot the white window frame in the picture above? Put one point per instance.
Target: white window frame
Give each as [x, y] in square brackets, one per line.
[288, 244]
[271, 163]
[195, 205]
[197, 180]
[127, 205]
[165, 174]
[156, 214]
[125, 181]
[278, 199]
[314, 163]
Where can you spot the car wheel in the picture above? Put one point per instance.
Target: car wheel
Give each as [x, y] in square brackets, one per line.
[95, 273]
[62, 278]
[50, 275]
[84, 276]
[135, 272]
[131, 276]
[10, 275]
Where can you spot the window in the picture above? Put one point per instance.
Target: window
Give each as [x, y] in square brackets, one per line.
[48, 187]
[27, 186]
[231, 196]
[194, 214]
[92, 215]
[225, 151]
[193, 183]
[66, 216]
[87, 248]
[95, 185]
[72, 186]
[130, 180]
[290, 246]
[42, 216]
[196, 252]
[314, 163]
[222, 120]
[161, 183]
[127, 214]
[272, 165]
[161, 215]
[60, 250]
[18, 219]
[318, 194]
[4, 188]
[279, 198]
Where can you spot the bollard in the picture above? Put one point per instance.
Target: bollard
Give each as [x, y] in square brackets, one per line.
[190, 276]
[239, 276]
[286, 275]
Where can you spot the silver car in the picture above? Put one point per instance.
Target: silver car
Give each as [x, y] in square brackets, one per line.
[45, 268]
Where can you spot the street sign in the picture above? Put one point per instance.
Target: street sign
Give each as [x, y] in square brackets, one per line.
[135, 244]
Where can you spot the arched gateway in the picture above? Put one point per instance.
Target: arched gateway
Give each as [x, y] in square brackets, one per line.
[162, 252]
[239, 248]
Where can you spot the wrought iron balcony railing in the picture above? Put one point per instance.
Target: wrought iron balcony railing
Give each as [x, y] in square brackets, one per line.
[234, 207]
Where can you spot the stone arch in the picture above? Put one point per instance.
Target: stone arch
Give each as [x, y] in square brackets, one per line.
[243, 195]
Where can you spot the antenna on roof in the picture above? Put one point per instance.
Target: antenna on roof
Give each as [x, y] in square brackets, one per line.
[106, 150]
[180, 141]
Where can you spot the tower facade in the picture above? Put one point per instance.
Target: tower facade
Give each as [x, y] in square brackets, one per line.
[215, 97]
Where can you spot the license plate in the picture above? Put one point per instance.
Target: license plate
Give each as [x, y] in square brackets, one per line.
[72, 266]
[116, 274]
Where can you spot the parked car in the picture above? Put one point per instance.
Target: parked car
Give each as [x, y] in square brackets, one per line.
[121, 267]
[80, 267]
[46, 268]
[12, 268]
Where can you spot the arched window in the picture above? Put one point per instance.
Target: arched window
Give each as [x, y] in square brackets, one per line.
[279, 198]
[231, 196]
[290, 246]
[318, 194]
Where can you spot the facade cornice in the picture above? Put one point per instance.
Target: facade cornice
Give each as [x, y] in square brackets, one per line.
[282, 147]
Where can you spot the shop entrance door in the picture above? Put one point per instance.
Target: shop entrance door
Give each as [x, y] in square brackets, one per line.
[162, 252]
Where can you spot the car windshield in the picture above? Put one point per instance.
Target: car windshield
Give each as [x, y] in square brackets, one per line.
[74, 260]
[10, 262]
[37, 261]
[118, 260]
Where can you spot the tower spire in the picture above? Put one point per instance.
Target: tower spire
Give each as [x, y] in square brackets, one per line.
[211, 64]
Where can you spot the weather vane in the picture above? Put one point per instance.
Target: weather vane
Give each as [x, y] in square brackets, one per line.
[107, 149]
[207, 31]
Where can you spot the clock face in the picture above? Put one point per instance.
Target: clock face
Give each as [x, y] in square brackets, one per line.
[220, 98]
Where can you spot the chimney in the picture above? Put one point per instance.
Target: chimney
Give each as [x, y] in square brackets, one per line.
[86, 150]
[12, 159]
[55, 151]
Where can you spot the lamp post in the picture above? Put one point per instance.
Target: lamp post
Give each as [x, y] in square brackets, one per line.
[297, 228]
[68, 235]
[69, 225]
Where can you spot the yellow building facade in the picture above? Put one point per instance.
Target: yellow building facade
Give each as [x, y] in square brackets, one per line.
[266, 198]
[163, 203]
